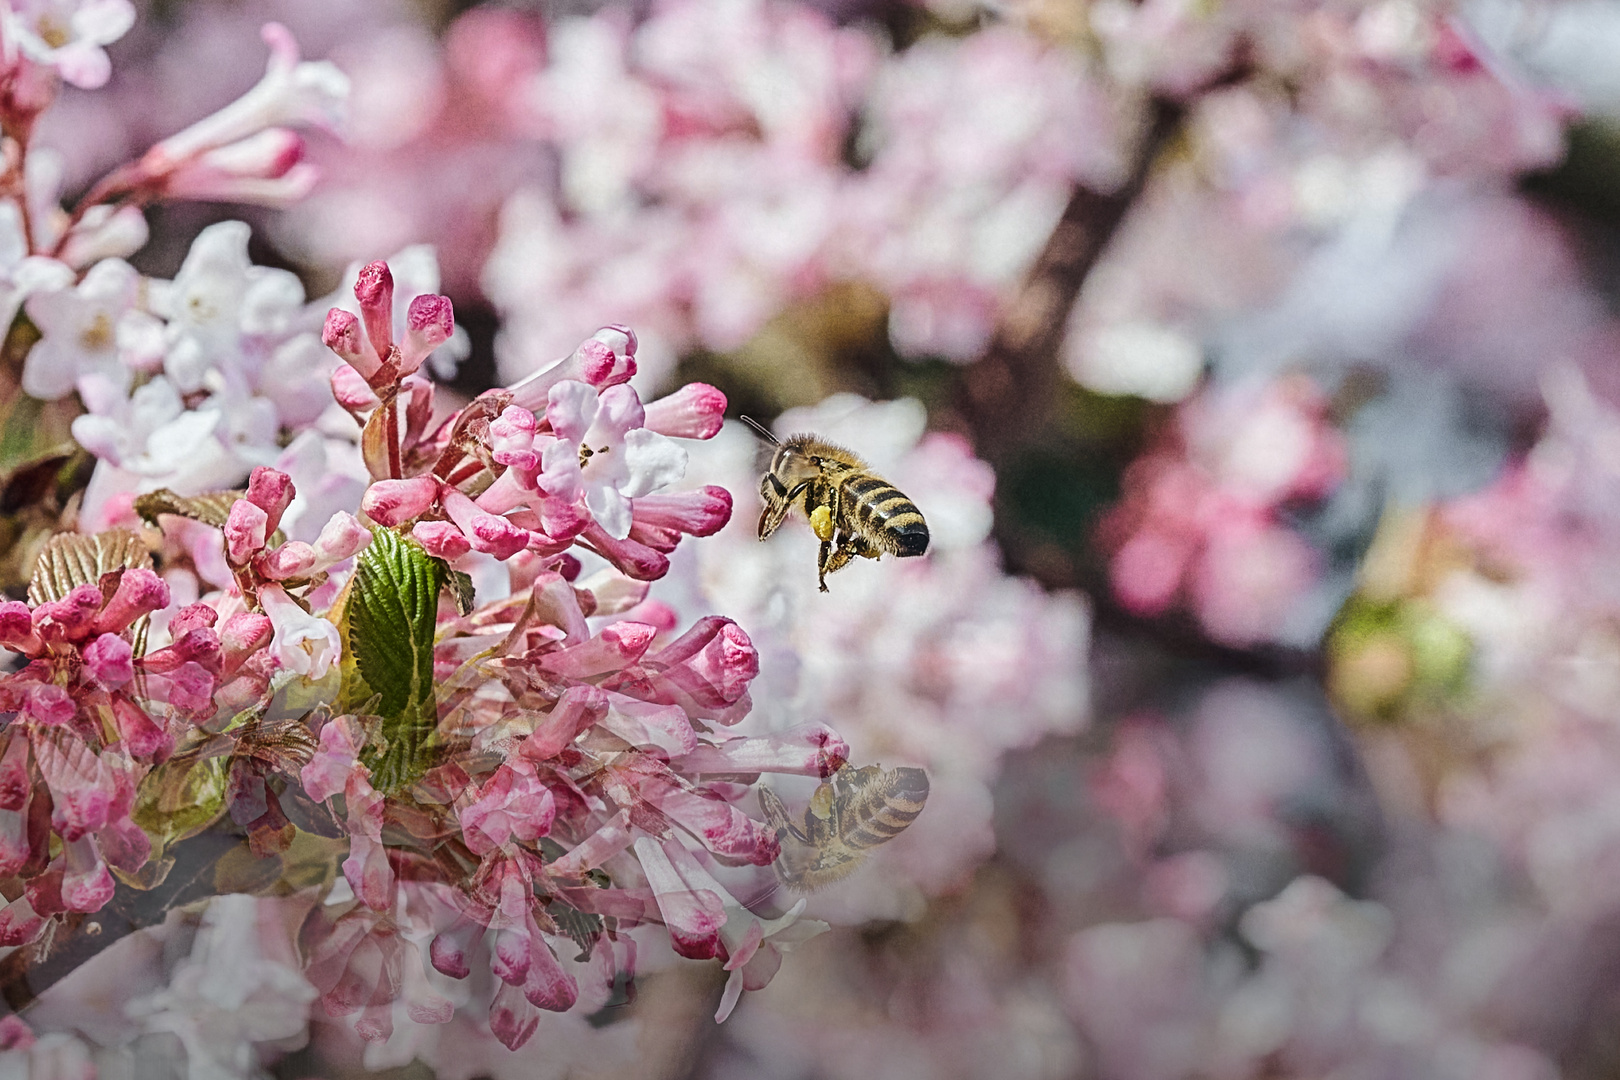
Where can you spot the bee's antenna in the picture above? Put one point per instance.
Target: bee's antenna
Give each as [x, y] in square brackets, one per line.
[760, 430]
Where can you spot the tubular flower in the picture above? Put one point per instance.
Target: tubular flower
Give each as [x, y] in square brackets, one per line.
[579, 803]
[568, 455]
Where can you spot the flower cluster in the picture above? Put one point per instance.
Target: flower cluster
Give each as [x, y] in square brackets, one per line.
[529, 779]
[570, 812]
[89, 720]
[1202, 523]
[569, 455]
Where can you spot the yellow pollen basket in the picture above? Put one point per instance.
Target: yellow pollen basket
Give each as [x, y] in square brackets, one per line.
[821, 521]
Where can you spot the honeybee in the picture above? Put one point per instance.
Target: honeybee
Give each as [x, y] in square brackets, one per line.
[848, 816]
[848, 504]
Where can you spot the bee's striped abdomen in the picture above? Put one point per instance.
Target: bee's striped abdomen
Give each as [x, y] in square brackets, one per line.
[885, 814]
[888, 515]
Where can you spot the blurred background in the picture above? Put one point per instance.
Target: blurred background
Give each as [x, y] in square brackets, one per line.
[1257, 365]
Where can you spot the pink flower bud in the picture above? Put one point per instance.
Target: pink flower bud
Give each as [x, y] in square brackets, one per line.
[350, 389]
[429, 322]
[71, 618]
[605, 359]
[272, 491]
[262, 168]
[452, 946]
[341, 334]
[700, 513]
[511, 436]
[191, 689]
[509, 958]
[192, 617]
[441, 539]
[15, 783]
[243, 634]
[87, 885]
[512, 1019]
[634, 558]
[293, 559]
[394, 502]
[17, 627]
[714, 661]
[695, 411]
[487, 533]
[548, 986]
[807, 750]
[140, 592]
[142, 736]
[48, 703]
[694, 916]
[342, 537]
[617, 646]
[110, 661]
[199, 646]
[245, 531]
[374, 289]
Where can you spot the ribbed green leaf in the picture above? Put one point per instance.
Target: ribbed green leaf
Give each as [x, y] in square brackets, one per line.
[390, 615]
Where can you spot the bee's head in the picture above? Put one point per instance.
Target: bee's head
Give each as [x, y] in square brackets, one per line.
[792, 466]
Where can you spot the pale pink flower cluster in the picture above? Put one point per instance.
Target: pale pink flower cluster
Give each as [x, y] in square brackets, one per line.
[66, 38]
[1535, 600]
[945, 661]
[702, 185]
[1200, 523]
[189, 383]
[975, 145]
[1335, 224]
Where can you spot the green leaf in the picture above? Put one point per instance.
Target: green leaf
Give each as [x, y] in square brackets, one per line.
[389, 616]
[180, 798]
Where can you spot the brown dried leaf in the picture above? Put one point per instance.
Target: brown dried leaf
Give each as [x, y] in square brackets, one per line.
[210, 508]
[69, 560]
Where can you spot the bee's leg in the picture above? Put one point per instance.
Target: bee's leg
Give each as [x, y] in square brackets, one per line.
[849, 546]
[866, 549]
[821, 563]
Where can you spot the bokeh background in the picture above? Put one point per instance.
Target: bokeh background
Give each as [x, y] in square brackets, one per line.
[1257, 365]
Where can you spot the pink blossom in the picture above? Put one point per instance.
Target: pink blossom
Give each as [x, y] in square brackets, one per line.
[69, 37]
[511, 805]
[303, 643]
[291, 92]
